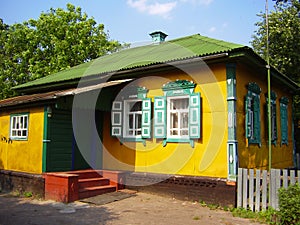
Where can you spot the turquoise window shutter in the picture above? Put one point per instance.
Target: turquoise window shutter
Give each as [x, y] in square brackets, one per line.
[256, 111]
[248, 119]
[116, 118]
[194, 117]
[283, 121]
[146, 118]
[160, 117]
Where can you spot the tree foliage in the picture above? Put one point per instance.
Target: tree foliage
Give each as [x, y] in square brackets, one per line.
[284, 38]
[57, 40]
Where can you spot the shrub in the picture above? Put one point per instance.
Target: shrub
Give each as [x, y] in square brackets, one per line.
[289, 205]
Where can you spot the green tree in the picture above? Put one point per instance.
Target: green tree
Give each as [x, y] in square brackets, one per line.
[57, 40]
[284, 38]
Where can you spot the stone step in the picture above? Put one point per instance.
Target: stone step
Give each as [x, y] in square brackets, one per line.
[85, 174]
[91, 182]
[96, 190]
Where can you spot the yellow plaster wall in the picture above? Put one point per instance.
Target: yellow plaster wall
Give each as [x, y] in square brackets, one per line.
[207, 158]
[22, 155]
[254, 156]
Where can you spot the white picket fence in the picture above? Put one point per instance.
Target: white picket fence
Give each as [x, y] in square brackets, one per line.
[257, 189]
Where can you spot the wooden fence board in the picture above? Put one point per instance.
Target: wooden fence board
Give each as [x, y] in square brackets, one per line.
[264, 190]
[257, 191]
[285, 178]
[240, 187]
[251, 189]
[245, 188]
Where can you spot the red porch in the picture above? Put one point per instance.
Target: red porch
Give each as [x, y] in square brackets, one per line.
[74, 185]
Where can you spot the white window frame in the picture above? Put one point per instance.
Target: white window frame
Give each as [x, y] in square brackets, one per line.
[180, 112]
[18, 125]
[127, 112]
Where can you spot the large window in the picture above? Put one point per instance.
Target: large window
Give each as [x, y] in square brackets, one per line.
[177, 113]
[132, 118]
[19, 126]
[252, 118]
[178, 117]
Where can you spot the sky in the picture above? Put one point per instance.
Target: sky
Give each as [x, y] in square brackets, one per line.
[131, 21]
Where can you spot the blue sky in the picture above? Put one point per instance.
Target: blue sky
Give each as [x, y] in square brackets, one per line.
[131, 21]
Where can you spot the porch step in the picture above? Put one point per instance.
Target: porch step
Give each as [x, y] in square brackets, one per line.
[96, 190]
[85, 174]
[91, 182]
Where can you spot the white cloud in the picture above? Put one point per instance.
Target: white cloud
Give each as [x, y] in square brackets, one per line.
[212, 29]
[200, 2]
[160, 9]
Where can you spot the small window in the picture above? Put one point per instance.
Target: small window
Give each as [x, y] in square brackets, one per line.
[131, 115]
[132, 118]
[19, 126]
[252, 118]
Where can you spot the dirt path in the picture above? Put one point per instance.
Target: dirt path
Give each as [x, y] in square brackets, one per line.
[142, 209]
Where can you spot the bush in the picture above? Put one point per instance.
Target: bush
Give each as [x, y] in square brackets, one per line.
[289, 205]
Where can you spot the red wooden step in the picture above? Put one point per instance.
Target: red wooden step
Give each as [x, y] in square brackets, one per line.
[84, 174]
[97, 190]
[90, 182]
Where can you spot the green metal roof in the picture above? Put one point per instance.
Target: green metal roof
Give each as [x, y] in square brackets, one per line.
[164, 52]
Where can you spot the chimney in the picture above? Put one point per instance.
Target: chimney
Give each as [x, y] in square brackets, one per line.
[158, 36]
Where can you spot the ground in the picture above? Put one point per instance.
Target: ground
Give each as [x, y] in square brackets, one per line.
[136, 208]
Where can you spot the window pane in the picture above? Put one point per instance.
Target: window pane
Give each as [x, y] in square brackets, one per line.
[135, 106]
[14, 122]
[25, 121]
[138, 121]
[21, 122]
[184, 120]
[184, 132]
[182, 103]
[174, 132]
[174, 120]
[24, 133]
[130, 121]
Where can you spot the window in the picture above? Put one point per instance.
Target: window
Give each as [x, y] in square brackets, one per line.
[284, 101]
[178, 116]
[177, 113]
[133, 118]
[19, 126]
[273, 116]
[252, 118]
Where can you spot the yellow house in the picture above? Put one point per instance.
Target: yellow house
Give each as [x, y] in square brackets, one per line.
[193, 108]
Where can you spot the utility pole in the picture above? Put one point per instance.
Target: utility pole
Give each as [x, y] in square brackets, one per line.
[269, 90]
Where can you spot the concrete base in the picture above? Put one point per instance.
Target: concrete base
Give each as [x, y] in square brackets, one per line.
[22, 182]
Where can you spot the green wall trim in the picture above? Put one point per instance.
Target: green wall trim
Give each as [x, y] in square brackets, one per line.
[45, 135]
[232, 158]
